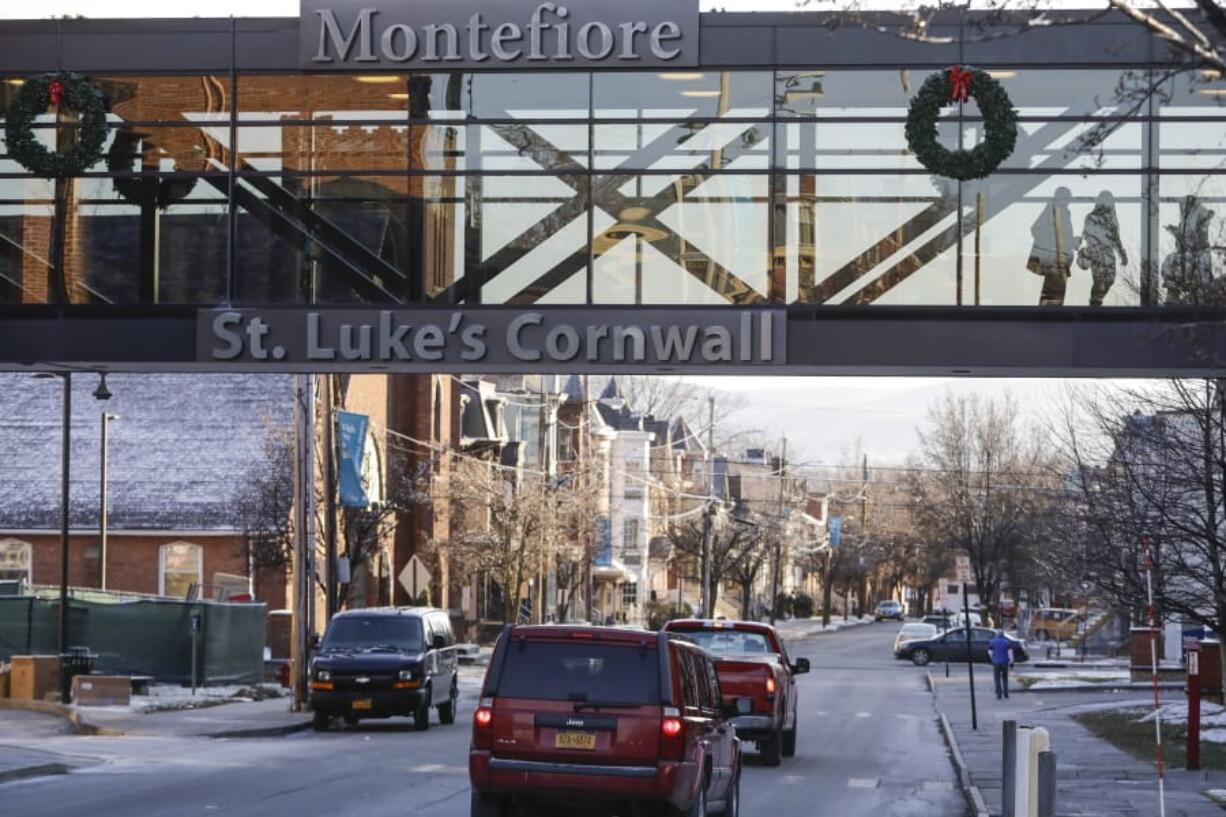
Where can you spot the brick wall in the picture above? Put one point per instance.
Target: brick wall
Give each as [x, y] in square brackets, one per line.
[132, 560]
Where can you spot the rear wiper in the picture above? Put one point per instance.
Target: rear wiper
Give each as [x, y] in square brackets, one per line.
[381, 648]
[585, 705]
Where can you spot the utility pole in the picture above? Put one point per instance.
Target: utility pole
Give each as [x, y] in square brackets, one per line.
[587, 460]
[330, 495]
[304, 532]
[778, 558]
[707, 610]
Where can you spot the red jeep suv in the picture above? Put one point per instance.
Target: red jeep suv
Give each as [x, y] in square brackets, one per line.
[593, 719]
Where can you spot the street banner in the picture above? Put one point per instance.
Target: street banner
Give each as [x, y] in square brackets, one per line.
[351, 436]
[604, 542]
[836, 530]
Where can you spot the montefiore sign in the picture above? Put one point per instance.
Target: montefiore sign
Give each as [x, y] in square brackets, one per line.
[519, 34]
[492, 339]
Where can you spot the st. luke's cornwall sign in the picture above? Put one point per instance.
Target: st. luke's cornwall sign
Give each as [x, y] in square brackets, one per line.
[492, 340]
[490, 34]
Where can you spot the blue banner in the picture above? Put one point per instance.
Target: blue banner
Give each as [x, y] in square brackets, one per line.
[836, 530]
[604, 542]
[351, 440]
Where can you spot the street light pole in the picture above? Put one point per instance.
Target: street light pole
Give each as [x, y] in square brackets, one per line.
[707, 612]
[65, 453]
[102, 496]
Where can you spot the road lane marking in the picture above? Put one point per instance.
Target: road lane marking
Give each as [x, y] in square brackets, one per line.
[864, 714]
[863, 782]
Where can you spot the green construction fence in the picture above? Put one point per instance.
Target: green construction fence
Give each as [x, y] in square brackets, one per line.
[144, 637]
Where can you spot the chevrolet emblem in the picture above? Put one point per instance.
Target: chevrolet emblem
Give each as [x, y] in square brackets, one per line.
[361, 679]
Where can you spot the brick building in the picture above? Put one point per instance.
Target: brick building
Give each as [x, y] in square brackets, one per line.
[178, 452]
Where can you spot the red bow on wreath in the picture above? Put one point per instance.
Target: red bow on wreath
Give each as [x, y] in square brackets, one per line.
[55, 90]
[959, 84]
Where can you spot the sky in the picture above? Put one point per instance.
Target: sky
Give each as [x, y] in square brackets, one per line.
[825, 417]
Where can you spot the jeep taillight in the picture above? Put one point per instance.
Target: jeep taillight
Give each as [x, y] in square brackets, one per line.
[483, 725]
[672, 735]
[770, 688]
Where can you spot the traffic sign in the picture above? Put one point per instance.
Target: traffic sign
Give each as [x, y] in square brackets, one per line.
[415, 577]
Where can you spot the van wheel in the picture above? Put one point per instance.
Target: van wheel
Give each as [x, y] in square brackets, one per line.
[771, 749]
[421, 718]
[446, 712]
[789, 741]
[320, 721]
[485, 805]
[921, 657]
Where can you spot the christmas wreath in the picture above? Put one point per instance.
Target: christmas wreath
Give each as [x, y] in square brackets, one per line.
[960, 84]
[143, 190]
[32, 100]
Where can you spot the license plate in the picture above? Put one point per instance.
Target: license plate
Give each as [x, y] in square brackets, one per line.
[575, 740]
[362, 703]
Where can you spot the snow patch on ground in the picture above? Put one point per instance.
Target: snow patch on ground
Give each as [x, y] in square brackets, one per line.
[1212, 718]
[798, 628]
[171, 697]
[1072, 678]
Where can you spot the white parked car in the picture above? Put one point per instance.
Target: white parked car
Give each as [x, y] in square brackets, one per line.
[915, 631]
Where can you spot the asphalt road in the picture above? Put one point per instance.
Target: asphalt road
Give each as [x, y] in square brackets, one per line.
[868, 745]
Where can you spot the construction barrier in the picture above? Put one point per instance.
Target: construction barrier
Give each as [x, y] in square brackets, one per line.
[150, 637]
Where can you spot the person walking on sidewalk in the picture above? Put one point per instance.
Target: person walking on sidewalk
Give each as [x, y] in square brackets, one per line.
[1000, 649]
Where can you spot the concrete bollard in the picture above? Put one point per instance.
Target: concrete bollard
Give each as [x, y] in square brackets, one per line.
[1031, 741]
[1047, 784]
[1009, 770]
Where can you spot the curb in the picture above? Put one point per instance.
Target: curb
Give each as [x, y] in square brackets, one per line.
[26, 772]
[974, 797]
[261, 732]
[73, 716]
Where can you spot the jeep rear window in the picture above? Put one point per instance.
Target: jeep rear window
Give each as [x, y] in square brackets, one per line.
[401, 633]
[581, 671]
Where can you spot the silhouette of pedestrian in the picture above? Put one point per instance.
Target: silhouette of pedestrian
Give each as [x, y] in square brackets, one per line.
[1100, 243]
[1051, 254]
[1187, 272]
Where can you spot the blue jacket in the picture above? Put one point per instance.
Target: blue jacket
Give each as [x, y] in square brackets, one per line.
[1001, 649]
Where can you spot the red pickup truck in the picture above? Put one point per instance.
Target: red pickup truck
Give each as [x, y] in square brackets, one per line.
[751, 662]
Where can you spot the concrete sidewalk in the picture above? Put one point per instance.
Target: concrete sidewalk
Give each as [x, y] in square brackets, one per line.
[268, 718]
[1093, 778]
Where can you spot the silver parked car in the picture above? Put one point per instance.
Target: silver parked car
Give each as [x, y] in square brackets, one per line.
[914, 631]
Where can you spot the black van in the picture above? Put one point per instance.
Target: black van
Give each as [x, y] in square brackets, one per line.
[380, 662]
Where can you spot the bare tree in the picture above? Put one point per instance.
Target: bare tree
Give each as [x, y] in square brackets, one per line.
[730, 544]
[989, 482]
[1151, 462]
[264, 502]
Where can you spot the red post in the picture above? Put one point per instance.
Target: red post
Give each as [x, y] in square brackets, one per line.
[1194, 706]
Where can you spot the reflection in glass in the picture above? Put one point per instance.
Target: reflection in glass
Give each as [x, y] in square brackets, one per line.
[682, 94]
[682, 146]
[867, 239]
[680, 239]
[1033, 234]
[501, 239]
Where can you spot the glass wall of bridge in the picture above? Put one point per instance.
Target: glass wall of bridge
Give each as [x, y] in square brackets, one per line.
[698, 187]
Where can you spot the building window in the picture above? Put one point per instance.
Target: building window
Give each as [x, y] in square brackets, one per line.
[16, 561]
[630, 594]
[630, 535]
[181, 565]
